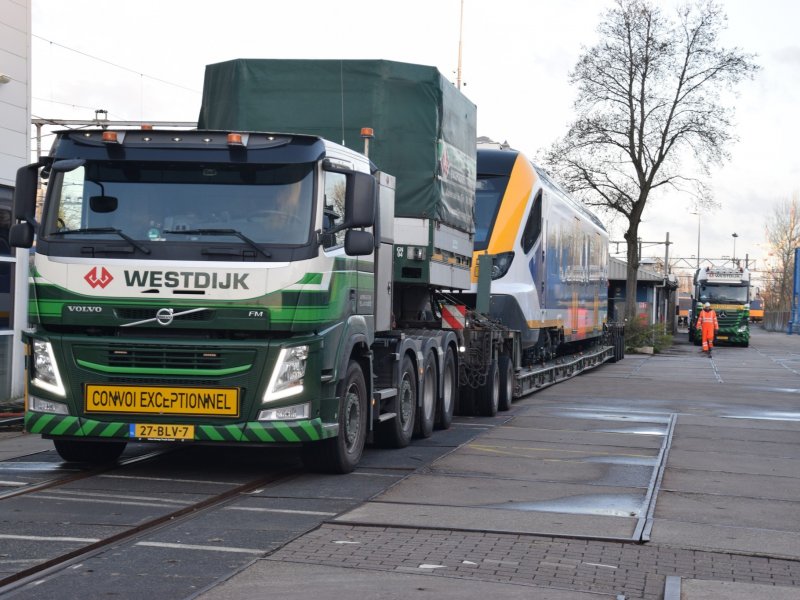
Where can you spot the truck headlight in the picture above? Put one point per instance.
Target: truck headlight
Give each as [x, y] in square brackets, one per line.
[45, 370]
[287, 377]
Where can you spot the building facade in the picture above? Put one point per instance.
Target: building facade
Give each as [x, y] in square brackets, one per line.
[15, 119]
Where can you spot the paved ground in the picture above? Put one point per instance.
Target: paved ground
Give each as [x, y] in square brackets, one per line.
[668, 476]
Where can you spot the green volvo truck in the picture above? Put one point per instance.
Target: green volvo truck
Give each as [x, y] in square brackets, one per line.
[231, 285]
[727, 289]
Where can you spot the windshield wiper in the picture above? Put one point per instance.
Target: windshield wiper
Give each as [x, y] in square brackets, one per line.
[232, 232]
[99, 230]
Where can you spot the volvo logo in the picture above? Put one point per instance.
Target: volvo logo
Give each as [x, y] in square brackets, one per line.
[164, 316]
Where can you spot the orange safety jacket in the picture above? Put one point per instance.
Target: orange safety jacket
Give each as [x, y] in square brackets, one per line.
[707, 323]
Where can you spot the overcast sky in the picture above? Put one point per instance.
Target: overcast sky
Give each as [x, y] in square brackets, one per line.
[145, 59]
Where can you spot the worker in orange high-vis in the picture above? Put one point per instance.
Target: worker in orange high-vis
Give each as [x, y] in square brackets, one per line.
[708, 326]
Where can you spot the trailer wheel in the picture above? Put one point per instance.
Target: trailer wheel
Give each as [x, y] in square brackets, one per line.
[506, 384]
[396, 432]
[96, 453]
[341, 454]
[488, 395]
[447, 403]
[427, 407]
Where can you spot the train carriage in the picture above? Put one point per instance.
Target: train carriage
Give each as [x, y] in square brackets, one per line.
[550, 271]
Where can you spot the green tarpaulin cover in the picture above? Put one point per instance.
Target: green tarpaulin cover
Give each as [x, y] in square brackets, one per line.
[425, 129]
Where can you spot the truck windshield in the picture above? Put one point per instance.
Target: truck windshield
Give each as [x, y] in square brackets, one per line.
[262, 204]
[489, 192]
[724, 293]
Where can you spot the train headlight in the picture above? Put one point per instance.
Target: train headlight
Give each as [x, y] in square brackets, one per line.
[44, 369]
[287, 377]
[501, 263]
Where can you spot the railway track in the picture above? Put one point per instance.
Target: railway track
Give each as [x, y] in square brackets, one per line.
[92, 546]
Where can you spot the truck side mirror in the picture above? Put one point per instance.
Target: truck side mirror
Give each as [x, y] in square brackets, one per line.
[358, 243]
[21, 235]
[359, 200]
[25, 192]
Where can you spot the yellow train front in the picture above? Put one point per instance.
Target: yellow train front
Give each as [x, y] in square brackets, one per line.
[550, 267]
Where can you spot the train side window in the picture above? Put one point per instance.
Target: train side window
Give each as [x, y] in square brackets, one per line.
[533, 228]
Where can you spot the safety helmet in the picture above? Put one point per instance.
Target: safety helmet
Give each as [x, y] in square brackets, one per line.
[707, 305]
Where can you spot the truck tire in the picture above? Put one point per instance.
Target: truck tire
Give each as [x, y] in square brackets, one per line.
[342, 453]
[96, 453]
[447, 403]
[488, 395]
[506, 384]
[396, 432]
[426, 411]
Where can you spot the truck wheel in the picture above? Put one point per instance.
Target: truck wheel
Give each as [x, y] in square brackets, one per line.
[96, 453]
[427, 408]
[396, 432]
[488, 395]
[341, 454]
[506, 384]
[447, 403]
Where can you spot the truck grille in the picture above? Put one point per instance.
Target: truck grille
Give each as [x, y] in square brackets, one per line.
[164, 358]
[111, 357]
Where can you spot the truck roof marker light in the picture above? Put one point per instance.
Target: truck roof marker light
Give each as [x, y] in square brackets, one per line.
[367, 132]
[235, 139]
[207, 140]
[110, 137]
[147, 127]
[177, 139]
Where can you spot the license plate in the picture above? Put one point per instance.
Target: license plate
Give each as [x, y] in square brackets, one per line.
[162, 400]
[149, 431]
[722, 337]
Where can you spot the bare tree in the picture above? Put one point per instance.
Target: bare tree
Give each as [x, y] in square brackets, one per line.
[649, 98]
[783, 235]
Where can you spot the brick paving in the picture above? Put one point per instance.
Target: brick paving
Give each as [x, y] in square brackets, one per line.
[637, 571]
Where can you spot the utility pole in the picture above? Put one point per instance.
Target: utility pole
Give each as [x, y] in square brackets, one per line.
[460, 45]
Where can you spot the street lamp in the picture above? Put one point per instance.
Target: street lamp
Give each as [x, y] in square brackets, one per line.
[734, 235]
[698, 236]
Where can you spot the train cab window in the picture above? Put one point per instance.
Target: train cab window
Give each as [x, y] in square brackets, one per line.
[533, 228]
[489, 190]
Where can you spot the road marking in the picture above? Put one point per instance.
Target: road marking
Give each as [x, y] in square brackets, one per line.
[45, 538]
[13, 483]
[199, 547]
[95, 495]
[97, 501]
[282, 511]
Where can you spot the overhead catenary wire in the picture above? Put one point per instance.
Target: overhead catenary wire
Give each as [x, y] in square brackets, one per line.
[113, 64]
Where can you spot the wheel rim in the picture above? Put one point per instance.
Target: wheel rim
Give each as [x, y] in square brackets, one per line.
[447, 393]
[428, 391]
[496, 390]
[352, 418]
[406, 402]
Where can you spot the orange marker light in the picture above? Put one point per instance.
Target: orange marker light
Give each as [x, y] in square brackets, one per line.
[110, 137]
[367, 132]
[235, 139]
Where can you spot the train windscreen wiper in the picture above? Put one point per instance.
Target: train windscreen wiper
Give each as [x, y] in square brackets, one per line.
[233, 232]
[100, 230]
